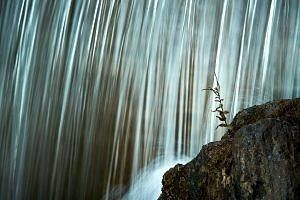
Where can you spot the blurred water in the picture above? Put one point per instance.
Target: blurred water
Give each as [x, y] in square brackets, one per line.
[92, 91]
[147, 183]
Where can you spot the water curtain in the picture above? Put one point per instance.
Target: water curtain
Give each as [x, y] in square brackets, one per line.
[92, 91]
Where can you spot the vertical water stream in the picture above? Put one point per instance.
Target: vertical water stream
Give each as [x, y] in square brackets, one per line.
[91, 91]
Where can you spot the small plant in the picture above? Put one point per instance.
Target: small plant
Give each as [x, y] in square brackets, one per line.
[220, 108]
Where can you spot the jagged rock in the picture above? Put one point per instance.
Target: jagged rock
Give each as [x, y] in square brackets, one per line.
[258, 158]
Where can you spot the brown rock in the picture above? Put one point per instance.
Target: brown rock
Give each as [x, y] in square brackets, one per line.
[257, 159]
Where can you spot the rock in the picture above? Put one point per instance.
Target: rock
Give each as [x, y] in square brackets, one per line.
[266, 160]
[258, 158]
[280, 108]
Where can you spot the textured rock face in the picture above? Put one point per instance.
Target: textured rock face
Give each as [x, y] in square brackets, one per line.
[258, 159]
[266, 160]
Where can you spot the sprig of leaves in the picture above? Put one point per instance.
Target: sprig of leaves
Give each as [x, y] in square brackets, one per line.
[220, 108]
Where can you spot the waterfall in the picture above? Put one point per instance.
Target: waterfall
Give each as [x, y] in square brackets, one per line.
[94, 91]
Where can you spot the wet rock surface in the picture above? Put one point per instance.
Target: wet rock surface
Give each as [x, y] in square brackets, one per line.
[259, 158]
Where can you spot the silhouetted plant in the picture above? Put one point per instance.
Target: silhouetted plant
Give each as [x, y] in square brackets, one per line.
[220, 108]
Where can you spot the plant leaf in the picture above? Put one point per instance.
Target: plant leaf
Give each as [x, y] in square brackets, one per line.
[221, 118]
[222, 125]
[222, 115]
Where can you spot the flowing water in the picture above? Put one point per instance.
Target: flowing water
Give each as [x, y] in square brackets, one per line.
[93, 91]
